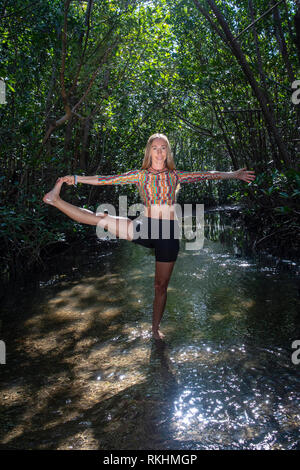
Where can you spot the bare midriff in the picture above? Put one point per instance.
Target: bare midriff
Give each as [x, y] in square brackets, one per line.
[161, 211]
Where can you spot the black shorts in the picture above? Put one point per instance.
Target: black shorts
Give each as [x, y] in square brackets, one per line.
[160, 234]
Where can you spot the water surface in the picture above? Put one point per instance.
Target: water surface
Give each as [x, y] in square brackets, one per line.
[83, 372]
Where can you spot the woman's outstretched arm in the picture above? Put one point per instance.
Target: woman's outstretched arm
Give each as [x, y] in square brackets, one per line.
[195, 176]
[130, 177]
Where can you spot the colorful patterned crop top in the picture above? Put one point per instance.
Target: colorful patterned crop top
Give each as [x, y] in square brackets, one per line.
[158, 186]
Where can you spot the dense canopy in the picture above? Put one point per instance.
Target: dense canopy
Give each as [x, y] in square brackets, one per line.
[85, 83]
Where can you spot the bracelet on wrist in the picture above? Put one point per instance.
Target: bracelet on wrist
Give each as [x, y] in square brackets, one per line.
[75, 180]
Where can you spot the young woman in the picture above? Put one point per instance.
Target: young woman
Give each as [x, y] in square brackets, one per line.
[157, 182]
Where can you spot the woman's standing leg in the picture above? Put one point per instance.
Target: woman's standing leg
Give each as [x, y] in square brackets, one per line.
[163, 271]
[120, 226]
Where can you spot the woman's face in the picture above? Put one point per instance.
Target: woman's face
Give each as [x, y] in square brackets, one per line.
[158, 151]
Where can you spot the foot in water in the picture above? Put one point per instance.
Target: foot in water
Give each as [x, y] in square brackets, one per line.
[53, 195]
[157, 334]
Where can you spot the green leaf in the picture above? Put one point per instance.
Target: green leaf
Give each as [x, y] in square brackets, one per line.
[283, 209]
[10, 87]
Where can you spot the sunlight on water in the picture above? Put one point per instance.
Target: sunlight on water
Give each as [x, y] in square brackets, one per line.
[84, 373]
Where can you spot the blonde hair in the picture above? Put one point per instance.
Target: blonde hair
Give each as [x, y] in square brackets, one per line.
[147, 162]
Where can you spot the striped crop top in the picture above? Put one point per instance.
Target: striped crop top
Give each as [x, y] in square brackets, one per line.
[158, 186]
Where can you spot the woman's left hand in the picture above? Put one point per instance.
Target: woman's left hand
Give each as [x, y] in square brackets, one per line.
[245, 175]
[69, 179]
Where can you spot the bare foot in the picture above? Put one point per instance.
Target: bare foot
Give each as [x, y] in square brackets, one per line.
[157, 334]
[53, 195]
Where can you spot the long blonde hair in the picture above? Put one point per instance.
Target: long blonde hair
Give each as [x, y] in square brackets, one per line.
[147, 162]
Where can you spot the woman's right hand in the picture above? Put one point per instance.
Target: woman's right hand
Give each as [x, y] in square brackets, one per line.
[67, 179]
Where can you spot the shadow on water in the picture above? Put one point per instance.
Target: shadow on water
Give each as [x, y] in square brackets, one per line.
[82, 371]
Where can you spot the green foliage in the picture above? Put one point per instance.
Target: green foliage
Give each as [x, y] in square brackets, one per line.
[157, 67]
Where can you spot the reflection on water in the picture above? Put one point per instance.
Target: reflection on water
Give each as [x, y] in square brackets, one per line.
[83, 372]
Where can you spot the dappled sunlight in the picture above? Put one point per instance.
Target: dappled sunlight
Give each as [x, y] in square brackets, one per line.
[74, 330]
[206, 355]
[12, 394]
[97, 370]
[110, 313]
[225, 408]
[246, 303]
[218, 316]
[85, 372]
[237, 314]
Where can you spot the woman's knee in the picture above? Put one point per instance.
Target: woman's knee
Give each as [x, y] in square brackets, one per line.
[102, 219]
[119, 226]
[129, 230]
[161, 287]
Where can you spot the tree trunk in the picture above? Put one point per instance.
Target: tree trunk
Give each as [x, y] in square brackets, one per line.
[263, 81]
[226, 140]
[258, 92]
[297, 29]
[282, 44]
[67, 142]
[85, 144]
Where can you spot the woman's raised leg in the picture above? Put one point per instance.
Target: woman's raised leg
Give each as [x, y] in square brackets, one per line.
[120, 226]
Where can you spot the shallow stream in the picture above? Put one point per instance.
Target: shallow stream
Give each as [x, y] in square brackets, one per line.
[82, 371]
